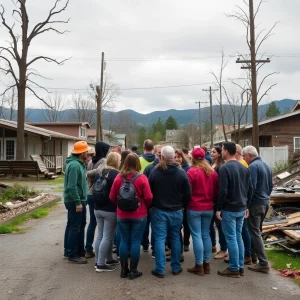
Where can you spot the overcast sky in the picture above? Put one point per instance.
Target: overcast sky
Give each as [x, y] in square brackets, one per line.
[159, 43]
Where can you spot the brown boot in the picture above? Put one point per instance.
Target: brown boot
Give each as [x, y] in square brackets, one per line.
[214, 249]
[206, 268]
[247, 260]
[228, 273]
[197, 269]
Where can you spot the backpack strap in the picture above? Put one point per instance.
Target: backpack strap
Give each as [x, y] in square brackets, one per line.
[138, 174]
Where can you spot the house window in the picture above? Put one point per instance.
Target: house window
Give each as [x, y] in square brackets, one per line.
[244, 143]
[10, 149]
[296, 144]
[82, 132]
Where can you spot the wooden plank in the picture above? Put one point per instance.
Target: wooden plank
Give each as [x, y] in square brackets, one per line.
[295, 234]
[290, 222]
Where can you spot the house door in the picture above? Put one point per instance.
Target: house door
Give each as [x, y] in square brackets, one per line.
[9, 149]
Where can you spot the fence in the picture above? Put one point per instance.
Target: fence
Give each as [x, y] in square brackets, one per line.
[274, 155]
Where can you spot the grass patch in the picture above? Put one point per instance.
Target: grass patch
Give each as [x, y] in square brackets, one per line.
[14, 226]
[280, 259]
[59, 180]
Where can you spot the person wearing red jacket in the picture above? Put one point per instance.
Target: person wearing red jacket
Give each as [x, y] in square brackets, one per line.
[204, 183]
[131, 224]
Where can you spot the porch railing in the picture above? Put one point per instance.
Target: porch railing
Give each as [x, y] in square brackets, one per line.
[53, 161]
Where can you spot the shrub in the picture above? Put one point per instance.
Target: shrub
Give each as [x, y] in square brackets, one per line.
[17, 192]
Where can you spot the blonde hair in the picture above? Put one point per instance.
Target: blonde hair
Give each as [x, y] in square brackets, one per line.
[113, 160]
[202, 164]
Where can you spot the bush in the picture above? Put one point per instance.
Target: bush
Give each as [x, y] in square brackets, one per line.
[17, 192]
[280, 167]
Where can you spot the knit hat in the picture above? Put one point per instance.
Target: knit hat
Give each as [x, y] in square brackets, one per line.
[198, 153]
[168, 152]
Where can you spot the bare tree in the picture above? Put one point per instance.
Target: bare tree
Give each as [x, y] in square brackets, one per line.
[84, 109]
[57, 110]
[14, 56]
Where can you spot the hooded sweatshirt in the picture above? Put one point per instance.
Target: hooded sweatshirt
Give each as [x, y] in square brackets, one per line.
[170, 188]
[146, 159]
[97, 164]
[75, 184]
[149, 168]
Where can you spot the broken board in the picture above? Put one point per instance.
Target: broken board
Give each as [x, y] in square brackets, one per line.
[295, 234]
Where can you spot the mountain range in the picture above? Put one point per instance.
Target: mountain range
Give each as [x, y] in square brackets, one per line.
[183, 117]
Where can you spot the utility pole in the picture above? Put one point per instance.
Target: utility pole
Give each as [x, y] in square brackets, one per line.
[210, 90]
[99, 131]
[199, 119]
[252, 64]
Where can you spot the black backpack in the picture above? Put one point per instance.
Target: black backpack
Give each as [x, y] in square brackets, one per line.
[100, 190]
[127, 199]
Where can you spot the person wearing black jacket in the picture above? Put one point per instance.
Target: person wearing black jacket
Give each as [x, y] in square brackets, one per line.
[235, 193]
[171, 193]
[105, 212]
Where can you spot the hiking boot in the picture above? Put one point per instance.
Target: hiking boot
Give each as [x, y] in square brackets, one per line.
[247, 260]
[214, 249]
[259, 268]
[105, 268]
[134, 273]
[242, 272]
[186, 248]
[228, 273]
[112, 262]
[77, 260]
[197, 269]
[124, 268]
[206, 268]
[153, 272]
[221, 255]
[177, 272]
[89, 254]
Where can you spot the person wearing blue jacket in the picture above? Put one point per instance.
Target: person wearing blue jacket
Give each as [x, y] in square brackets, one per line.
[261, 177]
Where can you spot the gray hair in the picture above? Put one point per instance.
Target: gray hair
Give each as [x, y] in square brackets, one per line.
[250, 150]
[168, 152]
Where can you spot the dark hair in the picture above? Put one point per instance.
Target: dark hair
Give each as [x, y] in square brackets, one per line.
[148, 145]
[131, 165]
[220, 160]
[123, 157]
[181, 154]
[204, 148]
[134, 148]
[185, 151]
[230, 147]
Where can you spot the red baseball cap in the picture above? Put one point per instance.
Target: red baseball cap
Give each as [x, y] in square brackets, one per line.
[198, 153]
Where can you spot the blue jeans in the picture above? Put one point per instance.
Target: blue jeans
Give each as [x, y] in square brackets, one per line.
[90, 233]
[199, 222]
[74, 233]
[145, 239]
[232, 225]
[164, 223]
[131, 231]
[246, 239]
[212, 232]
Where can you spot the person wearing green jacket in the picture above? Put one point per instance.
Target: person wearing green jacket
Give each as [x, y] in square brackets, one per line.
[75, 197]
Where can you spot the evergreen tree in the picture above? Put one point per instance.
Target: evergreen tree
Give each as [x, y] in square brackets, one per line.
[273, 110]
[171, 123]
[142, 136]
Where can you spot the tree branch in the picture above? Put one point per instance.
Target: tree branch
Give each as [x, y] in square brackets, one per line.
[47, 59]
[6, 90]
[266, 92]
[267, 35]
[263, 80]
[41, 99]
[10, 70]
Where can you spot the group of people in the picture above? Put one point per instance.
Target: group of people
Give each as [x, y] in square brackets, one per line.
[167, 190]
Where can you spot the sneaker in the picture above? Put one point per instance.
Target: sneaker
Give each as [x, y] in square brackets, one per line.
[89, 254]
[228, 273]
[65, 257]
[145, 249]
[105, 268]
[114, 250]
[259, 268]
[186, 248]
[77, 260]
[221, 255]
[112, 262]
[153, 254]
[153, 272]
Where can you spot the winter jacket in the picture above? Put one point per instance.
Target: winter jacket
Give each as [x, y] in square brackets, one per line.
[75, 184]
[146, 159]
[185, 166]
[171, 188]
[208, 158]
[204, 189]
[143, 193]
[261, 177]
